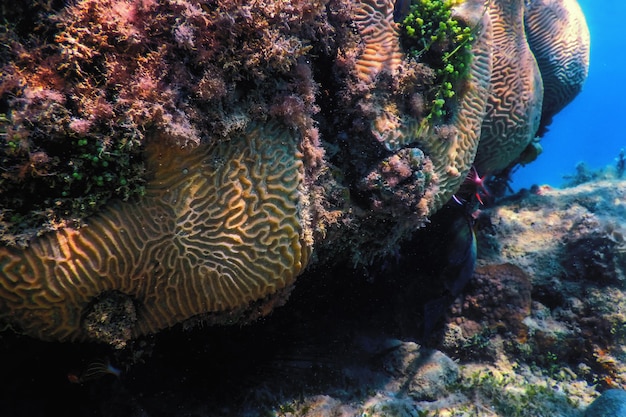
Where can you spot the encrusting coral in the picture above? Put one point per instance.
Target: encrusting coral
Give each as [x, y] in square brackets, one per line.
[190, 158]
[498, 296]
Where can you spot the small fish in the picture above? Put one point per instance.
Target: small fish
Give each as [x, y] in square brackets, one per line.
[461, 255]
[94, 370]
[401, 10]
[453, 258]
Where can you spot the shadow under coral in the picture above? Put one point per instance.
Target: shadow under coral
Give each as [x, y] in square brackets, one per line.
[328, 335]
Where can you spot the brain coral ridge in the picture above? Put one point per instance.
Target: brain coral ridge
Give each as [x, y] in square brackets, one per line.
[541, 60]
[219, 227]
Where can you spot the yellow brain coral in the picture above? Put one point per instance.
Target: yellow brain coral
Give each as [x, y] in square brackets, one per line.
[219, 227]
[541, 60]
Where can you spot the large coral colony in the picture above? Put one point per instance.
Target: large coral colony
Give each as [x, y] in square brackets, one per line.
[174, 160]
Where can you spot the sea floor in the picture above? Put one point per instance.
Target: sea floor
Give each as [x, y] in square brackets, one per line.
[540, 330]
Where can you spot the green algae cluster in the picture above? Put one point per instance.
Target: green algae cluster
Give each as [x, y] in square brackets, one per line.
[431, 34]
[52, 174]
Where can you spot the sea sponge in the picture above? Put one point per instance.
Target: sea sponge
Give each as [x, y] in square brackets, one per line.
[514, 106]
[559, 38]
[219, 227]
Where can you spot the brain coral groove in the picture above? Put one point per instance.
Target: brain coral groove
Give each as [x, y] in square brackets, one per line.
[218, 228]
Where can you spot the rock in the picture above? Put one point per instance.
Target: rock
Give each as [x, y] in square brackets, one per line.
[423, 373]
[612, 403]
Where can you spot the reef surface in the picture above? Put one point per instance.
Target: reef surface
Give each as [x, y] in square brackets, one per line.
[185, 161]
[169, 166]
[539, 330]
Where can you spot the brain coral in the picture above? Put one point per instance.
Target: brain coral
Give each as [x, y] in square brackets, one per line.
[381, 38]
[217, 229]
[559, 38]
[514, 106]
[541, 60]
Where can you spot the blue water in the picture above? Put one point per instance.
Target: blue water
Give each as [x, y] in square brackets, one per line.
[592, 129]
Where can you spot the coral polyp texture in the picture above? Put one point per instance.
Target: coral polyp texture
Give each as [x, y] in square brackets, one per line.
[173, 161]
[381, 38]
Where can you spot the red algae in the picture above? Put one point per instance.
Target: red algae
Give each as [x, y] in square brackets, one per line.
[84, 85]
